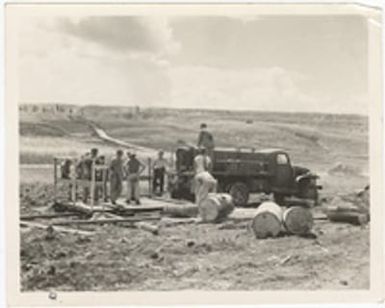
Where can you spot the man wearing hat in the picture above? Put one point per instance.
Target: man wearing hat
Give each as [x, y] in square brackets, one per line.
[116, 175]
[134, 168]
[206, 140]
[88, 164]
[159, 168]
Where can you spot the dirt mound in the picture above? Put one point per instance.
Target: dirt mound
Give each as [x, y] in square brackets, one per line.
[358, 200]
[344, 169]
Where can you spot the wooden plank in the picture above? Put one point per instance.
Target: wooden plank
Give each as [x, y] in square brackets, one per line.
[47, 216]
[80, 182]
[58, 229]
[173, 201]
[147, 227]
[170, 221]
[102, 221]
[141, 208]
[77, 207]
[54, 179]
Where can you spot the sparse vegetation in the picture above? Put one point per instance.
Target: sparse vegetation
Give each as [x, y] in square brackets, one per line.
[217, 256]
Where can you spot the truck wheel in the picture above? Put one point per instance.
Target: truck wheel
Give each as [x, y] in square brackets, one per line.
[175, 194]
[279, 199]
[240, 193]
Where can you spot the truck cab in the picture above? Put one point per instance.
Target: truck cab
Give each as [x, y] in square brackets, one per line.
[241, 171]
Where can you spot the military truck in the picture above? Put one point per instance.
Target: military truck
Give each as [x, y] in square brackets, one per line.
[241, 171]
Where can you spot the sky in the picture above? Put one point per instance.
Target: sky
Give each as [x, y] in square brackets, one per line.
[267, 63]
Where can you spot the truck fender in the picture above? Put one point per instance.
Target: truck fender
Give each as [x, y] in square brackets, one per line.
[306, 176]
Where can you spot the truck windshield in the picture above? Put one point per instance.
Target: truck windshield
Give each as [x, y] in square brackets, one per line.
[282, 159]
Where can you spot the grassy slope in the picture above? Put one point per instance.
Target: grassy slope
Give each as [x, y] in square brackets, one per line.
[312, 139]
[318, 141]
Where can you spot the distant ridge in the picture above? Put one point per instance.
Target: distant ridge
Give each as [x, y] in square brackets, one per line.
[135, 109]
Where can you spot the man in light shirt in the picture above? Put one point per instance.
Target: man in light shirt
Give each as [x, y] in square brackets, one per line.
[134, 169]
[204, 183]
[159, 168]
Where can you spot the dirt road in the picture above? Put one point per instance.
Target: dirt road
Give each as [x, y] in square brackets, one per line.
[106, 138]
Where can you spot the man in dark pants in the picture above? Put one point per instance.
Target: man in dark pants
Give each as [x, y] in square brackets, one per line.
[206, 141]
[133, 170]
[87, 174]
[100, 177]
[159, 169]
[116, 175]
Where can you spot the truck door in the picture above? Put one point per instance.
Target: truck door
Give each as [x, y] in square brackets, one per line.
[283, 172]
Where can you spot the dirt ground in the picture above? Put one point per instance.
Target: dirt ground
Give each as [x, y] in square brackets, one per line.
[224, 256]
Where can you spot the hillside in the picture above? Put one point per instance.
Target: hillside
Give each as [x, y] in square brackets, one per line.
[321, 142]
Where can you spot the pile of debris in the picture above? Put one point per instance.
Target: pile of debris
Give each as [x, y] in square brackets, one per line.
[62, 214]
[268, 220]
[352, 208]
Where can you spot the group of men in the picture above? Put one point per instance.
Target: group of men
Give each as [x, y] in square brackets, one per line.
[129, 169]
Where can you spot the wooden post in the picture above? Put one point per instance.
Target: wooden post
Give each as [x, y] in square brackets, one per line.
[149, 178]
[104, 185]
[74, 184]
[54, 179]
[92, 190]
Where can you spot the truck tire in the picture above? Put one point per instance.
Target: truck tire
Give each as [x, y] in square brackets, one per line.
[308, 190]
[279, 199]
[239, 191]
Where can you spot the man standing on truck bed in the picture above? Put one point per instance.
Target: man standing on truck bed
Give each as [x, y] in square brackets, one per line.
[206, 140]
[133, 170]
[204, 183]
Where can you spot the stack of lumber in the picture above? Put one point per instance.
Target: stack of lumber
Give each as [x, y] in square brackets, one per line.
[139, 217]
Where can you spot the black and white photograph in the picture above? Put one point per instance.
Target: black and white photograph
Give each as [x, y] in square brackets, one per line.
[185, 150]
